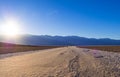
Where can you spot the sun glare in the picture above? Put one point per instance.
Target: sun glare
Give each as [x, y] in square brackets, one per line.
[10, 28]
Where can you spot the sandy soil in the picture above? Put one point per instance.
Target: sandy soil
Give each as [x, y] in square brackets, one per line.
[61, 62]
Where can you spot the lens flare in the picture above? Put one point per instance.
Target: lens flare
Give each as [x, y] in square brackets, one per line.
[10, 28]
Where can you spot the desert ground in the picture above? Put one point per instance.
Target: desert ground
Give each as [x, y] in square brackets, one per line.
[111, 48]
[68, 61]
[13, 48]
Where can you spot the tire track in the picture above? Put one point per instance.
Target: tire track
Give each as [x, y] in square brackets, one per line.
[74, 66]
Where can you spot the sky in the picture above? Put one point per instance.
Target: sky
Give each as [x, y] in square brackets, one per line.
[85, 18]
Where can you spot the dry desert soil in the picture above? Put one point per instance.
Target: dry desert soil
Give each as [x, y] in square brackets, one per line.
[68, 61]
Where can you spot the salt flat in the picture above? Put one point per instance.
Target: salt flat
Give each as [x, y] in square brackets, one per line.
[61, 62]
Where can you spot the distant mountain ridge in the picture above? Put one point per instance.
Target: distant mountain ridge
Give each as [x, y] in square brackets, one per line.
[61, 40]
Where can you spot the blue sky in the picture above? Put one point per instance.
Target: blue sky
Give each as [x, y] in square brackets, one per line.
[86, 18]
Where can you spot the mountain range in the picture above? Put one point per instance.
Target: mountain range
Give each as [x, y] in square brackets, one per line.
[59, 40]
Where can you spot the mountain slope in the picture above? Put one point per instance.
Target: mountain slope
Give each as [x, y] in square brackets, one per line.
[62, 40]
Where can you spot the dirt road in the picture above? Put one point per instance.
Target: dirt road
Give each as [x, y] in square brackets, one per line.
[62, 62]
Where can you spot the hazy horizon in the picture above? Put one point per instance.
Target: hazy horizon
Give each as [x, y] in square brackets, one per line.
[65, 36]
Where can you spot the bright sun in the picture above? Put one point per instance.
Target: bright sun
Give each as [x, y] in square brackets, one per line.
[10, 28]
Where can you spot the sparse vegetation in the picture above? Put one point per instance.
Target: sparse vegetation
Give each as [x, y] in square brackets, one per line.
[11, 48]
[104, 48]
